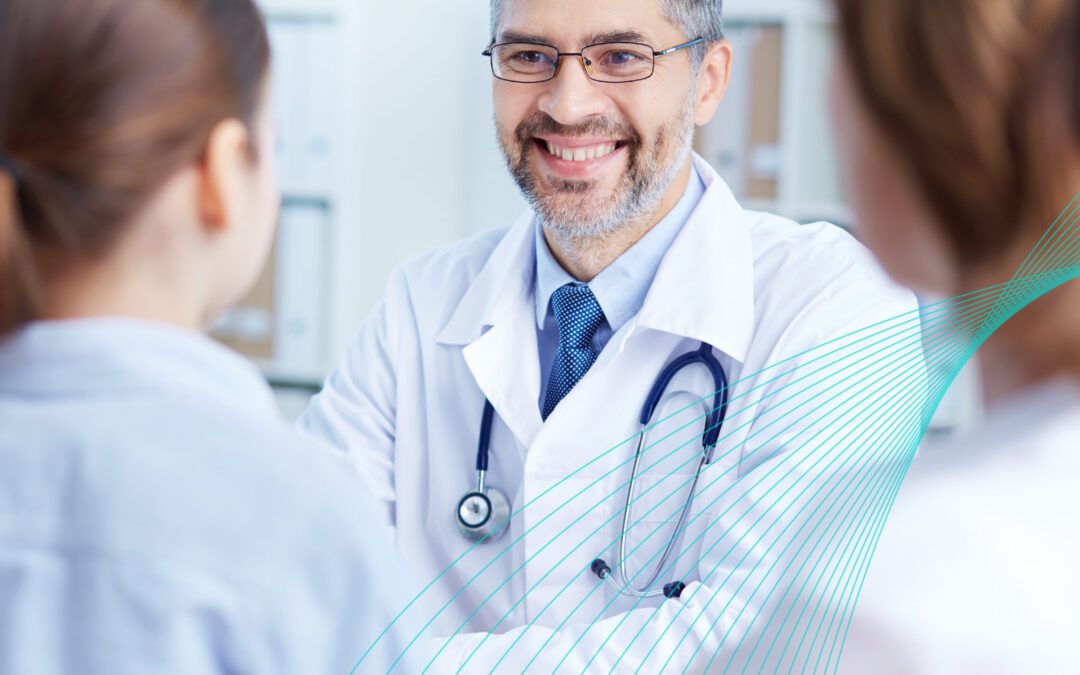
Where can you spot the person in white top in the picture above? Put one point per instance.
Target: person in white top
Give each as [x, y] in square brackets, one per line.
[156, 515]
[959, 124]
[635, 255]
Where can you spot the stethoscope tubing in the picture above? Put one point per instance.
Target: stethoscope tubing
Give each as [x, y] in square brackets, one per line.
[714, 422]
[624, 569]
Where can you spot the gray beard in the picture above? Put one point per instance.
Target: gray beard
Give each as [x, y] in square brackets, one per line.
[639, 191]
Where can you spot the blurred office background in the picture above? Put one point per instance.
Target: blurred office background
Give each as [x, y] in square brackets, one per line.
[386, 150]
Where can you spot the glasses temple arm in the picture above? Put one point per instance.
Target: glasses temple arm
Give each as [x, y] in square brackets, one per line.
[676, 48]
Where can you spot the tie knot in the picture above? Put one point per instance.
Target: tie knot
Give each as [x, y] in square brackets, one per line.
[578, 314]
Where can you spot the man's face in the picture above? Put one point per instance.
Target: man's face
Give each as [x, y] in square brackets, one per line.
[590, 156]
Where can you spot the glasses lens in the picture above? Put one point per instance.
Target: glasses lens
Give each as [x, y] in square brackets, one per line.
[619, 61]
[523, 62]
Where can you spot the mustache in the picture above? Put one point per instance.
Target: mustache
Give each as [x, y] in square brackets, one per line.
[542, 123]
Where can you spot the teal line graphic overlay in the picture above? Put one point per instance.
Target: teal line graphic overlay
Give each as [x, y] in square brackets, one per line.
[784, 521]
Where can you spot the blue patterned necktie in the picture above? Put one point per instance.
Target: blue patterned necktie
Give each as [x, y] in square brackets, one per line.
[579, 317]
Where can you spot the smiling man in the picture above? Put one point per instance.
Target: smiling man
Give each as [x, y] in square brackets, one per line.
[541, 343]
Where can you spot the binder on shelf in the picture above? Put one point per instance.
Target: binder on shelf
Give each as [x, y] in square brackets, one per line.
[289, 66]
[723, 141]
[322, 106]
[282, 324]
[306, 62]
[743, 140]
[300, 291]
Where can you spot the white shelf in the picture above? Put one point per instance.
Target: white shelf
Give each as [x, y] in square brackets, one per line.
[292, 378]
[311, 197]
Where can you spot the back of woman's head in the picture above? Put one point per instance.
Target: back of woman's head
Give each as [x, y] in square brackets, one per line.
[980, 101]
[101, 101]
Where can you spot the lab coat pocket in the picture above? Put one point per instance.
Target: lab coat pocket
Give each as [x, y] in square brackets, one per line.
[669, 459]
[653, 523]
[656, 510]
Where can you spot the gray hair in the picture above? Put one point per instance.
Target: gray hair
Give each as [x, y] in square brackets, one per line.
[695, 18]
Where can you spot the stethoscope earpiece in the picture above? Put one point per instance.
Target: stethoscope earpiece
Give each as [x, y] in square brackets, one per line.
[602, 570]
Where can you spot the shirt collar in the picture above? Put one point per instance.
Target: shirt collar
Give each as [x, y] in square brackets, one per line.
[113, 354]
[620, 289]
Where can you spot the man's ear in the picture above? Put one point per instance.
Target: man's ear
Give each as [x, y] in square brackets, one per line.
[712, 81]
[220, 172]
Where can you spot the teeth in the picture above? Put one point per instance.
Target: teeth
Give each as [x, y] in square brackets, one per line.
[581, 154]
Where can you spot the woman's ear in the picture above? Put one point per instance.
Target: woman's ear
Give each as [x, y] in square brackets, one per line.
[221, 172]
[712, 81]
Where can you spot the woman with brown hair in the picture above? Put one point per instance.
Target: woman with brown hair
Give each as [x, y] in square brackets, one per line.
[959, 124]
[155, 514]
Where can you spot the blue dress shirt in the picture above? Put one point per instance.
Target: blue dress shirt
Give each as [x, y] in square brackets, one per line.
[620, 289]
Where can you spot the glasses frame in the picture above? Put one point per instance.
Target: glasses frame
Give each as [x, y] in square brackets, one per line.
[490, 51]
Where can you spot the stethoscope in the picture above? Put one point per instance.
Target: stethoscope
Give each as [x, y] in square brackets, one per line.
[484, 513]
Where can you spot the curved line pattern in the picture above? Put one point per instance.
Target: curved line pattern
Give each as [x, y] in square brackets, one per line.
[783, 549]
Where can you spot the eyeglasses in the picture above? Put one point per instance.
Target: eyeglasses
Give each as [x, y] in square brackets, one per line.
[528, 62]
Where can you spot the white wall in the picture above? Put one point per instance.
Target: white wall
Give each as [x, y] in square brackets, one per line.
[431, 172]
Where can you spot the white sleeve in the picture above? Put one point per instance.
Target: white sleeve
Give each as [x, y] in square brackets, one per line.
[356, 410]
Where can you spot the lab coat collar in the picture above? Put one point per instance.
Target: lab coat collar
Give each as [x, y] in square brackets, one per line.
[506, 279]
[704, 288]
[494, 324]
[99, 356]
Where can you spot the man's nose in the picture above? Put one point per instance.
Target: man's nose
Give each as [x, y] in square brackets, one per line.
[572, 97]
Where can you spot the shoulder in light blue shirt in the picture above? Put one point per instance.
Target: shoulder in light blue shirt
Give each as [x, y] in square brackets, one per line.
[620, 289]
[157, 517]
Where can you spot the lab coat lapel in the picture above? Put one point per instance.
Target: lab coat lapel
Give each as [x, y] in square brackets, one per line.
[602, 410]
[703, 292]
[704, 288]
[494, 325]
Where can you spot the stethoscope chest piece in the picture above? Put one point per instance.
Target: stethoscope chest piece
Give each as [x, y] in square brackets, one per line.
[483, 515]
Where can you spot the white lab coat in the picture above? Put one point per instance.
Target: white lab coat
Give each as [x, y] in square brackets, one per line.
[458, 325]
[976, 569]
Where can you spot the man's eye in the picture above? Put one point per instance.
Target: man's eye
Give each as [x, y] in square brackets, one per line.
[620, 58]
[529, 57]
